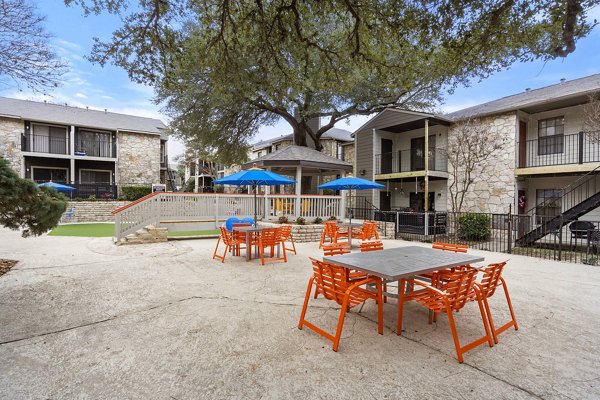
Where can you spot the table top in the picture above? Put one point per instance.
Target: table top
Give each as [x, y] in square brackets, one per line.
[347, 224]
[402, 262]
[248, 228]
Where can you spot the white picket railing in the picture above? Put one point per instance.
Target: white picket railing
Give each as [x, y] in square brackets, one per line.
[203, 207]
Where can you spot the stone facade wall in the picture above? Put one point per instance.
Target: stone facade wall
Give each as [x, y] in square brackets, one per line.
[312, 232]
[493, 188]
[139, 158]
[91, 211]
[10, 143]
[349, 155]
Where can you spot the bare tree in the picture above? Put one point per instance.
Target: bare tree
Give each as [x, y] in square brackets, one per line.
[25, 54]
[470, 146]
[591, 118]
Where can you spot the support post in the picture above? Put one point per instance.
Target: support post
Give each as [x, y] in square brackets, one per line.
[426, 195]
[197, 167]
[266, 198]
[298, 191]
[72, 153]
[216, 211]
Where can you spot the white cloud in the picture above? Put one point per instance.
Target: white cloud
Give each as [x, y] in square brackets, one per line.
[81, 95]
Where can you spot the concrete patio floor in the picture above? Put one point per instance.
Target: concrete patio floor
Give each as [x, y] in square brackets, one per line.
[82, 318]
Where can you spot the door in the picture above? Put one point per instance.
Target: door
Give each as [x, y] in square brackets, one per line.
[522, 145]
[417, 153]
[385, 201]
[386, 156]
[417, 201]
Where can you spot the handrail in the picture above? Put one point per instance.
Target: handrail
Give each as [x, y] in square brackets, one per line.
[133, 203]
[564, 192]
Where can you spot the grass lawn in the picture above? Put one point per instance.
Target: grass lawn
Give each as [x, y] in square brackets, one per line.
[107, 230]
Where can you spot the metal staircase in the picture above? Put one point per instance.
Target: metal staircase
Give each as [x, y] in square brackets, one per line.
[578, 198]
[171, 179]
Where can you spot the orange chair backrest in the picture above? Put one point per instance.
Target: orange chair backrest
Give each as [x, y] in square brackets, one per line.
[369, 230]
[331, 280]
[457, 248]
[330, 228]
[457, 284]
[226, 236]
[270, 236]
[238, 224]
[335, 249]
[285, 231]
[491, 278]
[371, 246]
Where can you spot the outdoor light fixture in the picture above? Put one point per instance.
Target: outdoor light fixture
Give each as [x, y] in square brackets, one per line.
[362, 172]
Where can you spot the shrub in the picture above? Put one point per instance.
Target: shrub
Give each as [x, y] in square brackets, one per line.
[283, 219]
[91, 198]
[318, 220]
[300, 221]
[132, 193]
[189, 185]
[474, 227]
[333, 218]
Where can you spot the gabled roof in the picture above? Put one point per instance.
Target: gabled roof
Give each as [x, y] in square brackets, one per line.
[563, 94]
[396, 120]
[66, 115]
[299, 155]
[333, 133]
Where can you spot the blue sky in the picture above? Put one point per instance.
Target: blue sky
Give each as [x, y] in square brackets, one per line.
[88, 85]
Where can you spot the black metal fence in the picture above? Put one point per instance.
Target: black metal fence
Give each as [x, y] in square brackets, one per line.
[573, 241]
[97, 191]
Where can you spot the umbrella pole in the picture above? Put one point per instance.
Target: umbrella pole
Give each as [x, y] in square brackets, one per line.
[254, 188]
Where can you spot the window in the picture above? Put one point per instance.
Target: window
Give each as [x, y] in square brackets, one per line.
[49, 139]
[94, 176]
[90, 143]
[551, 135]
[548, 204]
[340, 151]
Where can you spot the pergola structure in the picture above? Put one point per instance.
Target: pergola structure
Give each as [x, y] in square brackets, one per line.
[307, 166]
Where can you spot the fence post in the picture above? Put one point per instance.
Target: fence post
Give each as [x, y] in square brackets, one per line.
[560, 237]
[510, 229]
[426, 222]
[435, 226]
[118, 226]
[580, 147]
[216, 211]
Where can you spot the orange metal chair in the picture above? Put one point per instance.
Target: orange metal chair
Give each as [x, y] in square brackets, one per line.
[332, 282]
[329, 232]
[371, 246]
[269, 238]
[369, 231]
[458, 289]
[231, 243]
[491, 279]
[457, 248]
[286, 233]
[335, 249]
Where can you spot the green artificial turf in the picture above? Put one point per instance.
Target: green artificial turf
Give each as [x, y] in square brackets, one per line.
[108, 230]
[84, 230]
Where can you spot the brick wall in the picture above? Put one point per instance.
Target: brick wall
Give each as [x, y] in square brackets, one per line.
[91, 211]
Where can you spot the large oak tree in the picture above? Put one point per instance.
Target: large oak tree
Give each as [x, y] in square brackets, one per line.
[224, 68]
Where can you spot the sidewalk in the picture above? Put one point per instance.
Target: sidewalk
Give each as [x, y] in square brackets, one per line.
[82, 318]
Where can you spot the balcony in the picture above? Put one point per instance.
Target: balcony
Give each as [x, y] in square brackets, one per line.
[410, 161]
[578, 148]
[95, 148]
[45, 144]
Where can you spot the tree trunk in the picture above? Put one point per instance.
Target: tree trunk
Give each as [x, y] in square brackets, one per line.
[300, 136]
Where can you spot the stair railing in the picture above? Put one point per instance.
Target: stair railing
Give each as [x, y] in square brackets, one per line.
[136, 215]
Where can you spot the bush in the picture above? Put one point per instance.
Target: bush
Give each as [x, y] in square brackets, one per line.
[318, 220]
[474, 227]
[333, 218]
[300, 221]
[189, 185]
[92, 197]
[132, 193]
[283, 219]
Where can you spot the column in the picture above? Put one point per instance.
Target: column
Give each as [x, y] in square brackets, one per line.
[298, 191]
[72, 153]
[267, 200]
[197, 167]
[426, 196]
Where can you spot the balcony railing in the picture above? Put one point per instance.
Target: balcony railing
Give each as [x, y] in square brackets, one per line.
[578, 148]
[410, 160]
[95, 148]
[45, 144]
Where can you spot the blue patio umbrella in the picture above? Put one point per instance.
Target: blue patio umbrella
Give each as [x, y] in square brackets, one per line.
[59, 187]
[255, 177]
[350, 183]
